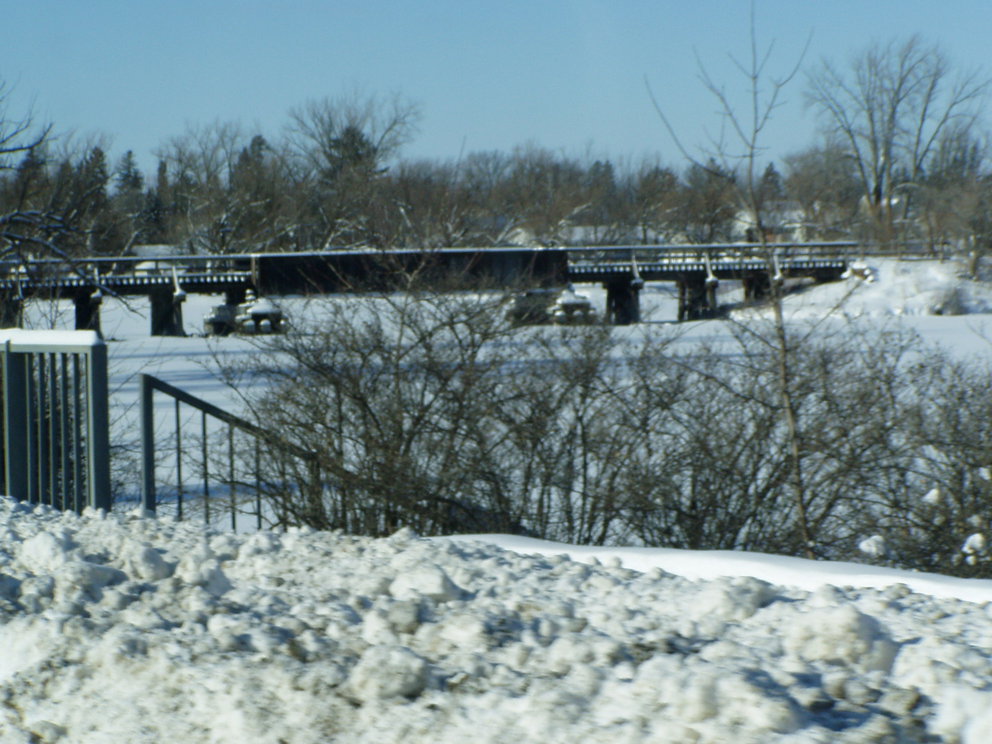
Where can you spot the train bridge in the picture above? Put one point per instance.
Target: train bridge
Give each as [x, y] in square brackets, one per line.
[696, 269]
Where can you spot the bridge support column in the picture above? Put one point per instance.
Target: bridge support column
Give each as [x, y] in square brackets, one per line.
[711, 285]
[697, 298]
[11, 311]
[235, 296]
[623, 302]
[167, 312]
[87, 305]
[756, 287]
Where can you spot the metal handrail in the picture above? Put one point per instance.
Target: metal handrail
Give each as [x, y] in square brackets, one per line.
[148, 386]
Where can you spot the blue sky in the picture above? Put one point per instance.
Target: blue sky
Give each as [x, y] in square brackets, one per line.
[565, 75]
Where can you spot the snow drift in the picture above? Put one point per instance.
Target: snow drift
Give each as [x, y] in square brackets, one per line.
[889, 287]
[122, 628]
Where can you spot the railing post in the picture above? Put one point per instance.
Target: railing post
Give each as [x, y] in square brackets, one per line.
[15, 429]
[147, 445]
[98, 436]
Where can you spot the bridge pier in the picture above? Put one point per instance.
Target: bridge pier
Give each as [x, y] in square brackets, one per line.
[756, 287]
[87, 304]
[167, 312]
[697, 298]
[235, 296]
[623, 302]
[11, 308]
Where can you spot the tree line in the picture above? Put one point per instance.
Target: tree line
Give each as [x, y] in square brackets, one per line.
[900, 155]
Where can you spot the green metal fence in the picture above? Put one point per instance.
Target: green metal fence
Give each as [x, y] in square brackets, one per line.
[55, 431]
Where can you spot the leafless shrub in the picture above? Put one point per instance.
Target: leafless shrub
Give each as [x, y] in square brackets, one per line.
[428, 410]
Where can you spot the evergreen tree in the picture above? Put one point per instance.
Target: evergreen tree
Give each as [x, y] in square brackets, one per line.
[94, 177]
[128, 177]
[770, 187]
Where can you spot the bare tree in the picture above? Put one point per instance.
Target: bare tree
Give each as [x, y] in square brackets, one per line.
[543, 194]
[225, 192]
[739, 162]
[708, 203]
[890, 108]
[433, 204]
[343, 147]
[952, 198]
[654, 202]
[326, 131]
[821, 180]
[26, 227]
[199, 163]
[18, 136]
[484, 175]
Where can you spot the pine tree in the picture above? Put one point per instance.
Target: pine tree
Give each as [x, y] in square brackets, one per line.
[129, 177]
[771, 188]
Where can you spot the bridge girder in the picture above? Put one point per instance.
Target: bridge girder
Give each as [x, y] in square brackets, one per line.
[692, 267]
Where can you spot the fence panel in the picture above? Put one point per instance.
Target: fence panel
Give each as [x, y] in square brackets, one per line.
[55, 432]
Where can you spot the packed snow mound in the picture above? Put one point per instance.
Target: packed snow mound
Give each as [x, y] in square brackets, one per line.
[121, 628]
[880, 287]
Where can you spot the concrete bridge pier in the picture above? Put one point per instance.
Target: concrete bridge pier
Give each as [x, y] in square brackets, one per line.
[757, 287]
[11, 308]
[167, 312]
[697, 298]
[711, 285]
[87, 304]
[623, 302]
[235, 296]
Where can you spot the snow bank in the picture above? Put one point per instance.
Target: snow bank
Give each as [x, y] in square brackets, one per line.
[122, 628]
[891, 287]
[798, 573]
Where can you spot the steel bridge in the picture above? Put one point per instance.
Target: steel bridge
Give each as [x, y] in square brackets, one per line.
[166, 280]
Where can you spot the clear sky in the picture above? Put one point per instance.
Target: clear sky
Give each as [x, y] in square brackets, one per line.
[566, 75]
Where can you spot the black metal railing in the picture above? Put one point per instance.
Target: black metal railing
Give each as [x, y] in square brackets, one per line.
[230, 480]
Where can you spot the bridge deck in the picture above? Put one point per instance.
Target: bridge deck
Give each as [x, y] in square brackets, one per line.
[327, 271]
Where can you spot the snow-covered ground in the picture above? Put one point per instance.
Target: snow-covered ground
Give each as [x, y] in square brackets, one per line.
[121, 627]
[888, 287]
[124, 628]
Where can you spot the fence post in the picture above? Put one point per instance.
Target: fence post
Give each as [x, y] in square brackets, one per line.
[15, 415]
[147, 445]
[98, 424]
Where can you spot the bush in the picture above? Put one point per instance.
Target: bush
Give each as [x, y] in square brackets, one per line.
[428, 411]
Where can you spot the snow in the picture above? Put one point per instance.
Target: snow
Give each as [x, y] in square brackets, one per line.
[715, 564]
[122, 627]
[873, 546]
[891, 287]
[29, 340]
[125, 628]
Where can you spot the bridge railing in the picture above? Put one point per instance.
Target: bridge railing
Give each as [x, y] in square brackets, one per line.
[89, 271]
[55, 433]
[98, 270]
[715, 252]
